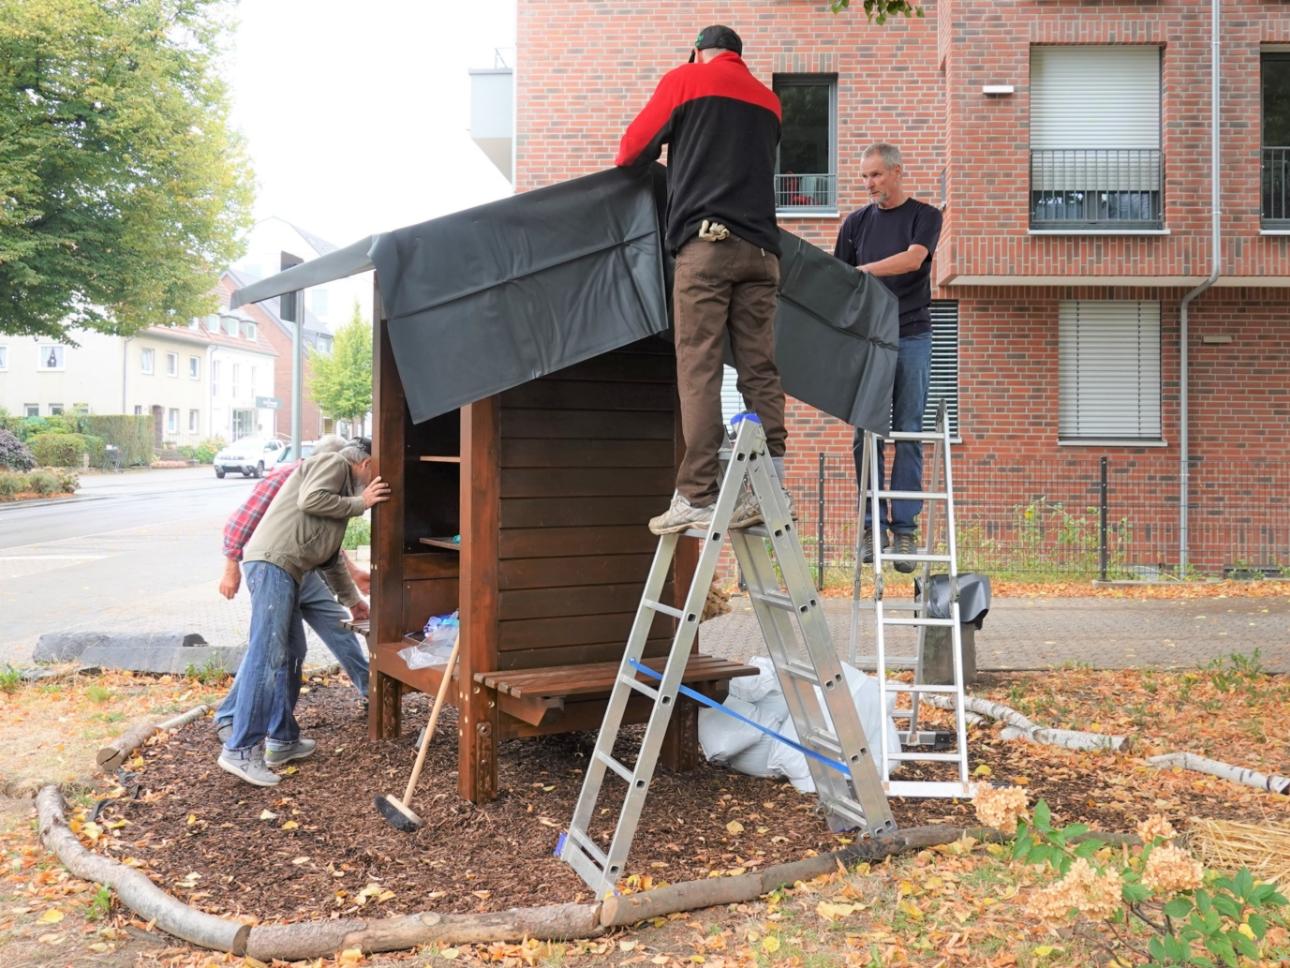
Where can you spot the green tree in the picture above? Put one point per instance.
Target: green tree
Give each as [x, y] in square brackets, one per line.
[342, 382]
[880, 10]
[122, 186]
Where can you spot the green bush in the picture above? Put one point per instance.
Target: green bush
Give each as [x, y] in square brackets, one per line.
[12, 484]
[14, 454]
[357, 533]
[204, 453]
[96, 448]
[45, 482]
[133, 435]
[58, 449]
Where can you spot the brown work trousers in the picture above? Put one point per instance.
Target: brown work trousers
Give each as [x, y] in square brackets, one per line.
[719, 287]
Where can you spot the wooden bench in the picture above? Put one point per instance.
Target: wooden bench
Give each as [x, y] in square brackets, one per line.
[572, 697]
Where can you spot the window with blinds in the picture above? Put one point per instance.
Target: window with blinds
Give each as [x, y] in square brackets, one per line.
[1095, 153]
[1108, 354]
[944, 381]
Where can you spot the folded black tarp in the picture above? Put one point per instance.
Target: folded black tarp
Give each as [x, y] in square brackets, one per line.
[492, 297]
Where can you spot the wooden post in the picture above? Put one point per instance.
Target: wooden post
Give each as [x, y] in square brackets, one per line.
[480, 524]
[388, 404]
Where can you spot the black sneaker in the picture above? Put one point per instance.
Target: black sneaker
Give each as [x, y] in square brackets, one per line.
[866, 548]
[905, 543]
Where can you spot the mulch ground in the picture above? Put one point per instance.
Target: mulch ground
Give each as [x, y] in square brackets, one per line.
[316, 846]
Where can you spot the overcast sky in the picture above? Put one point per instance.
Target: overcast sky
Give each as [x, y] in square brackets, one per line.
[356, 114]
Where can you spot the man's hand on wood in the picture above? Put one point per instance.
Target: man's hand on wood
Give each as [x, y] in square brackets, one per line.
[376, 492]
[360, 611]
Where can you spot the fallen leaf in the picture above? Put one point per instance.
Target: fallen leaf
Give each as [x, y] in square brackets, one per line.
[290, 825]
[450, 954]
[267, 814]
[735, 827]
[770, 944]
[52, 916]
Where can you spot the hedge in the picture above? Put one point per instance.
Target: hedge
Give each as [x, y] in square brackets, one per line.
[133, 435]
[57, 449]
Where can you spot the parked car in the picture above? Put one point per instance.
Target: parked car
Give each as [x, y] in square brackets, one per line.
[252, 456]
[306, 448]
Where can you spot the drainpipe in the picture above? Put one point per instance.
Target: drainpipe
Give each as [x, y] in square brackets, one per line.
[1216, 260]
[125, 372]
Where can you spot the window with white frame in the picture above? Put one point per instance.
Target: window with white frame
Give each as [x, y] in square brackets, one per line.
[237, 373]
[172, 420]
[194, 421]
[248, 330]
[4, 357]
[55, 409]
[254, 385]
[1108, 358]
[138, 410]
[1095, 158]
[31, 410]
[50, 357]
[194, 368]
[215, 375]
[806, 168]
[147, 360]
[172, 364]
[230, 325]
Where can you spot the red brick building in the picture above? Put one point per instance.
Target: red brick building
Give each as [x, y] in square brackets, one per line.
[1069, 147]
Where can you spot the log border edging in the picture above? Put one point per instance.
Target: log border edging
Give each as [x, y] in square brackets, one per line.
[556, 922]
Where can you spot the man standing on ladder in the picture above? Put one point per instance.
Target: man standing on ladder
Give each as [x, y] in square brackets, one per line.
[722, 128]
[894, 238]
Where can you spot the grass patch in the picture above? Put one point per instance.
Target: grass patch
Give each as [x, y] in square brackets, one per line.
[10, 679]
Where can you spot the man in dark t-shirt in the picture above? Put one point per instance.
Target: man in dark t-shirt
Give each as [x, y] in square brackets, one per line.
[894, 238]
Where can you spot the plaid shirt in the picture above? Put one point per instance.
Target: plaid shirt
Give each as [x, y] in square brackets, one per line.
[240, 527]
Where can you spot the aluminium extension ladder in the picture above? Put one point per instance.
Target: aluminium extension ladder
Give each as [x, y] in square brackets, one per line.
[830, 734]
[940, 491]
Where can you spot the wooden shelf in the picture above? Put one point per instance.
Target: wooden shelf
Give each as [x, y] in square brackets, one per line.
[446, 543]
[440, 459]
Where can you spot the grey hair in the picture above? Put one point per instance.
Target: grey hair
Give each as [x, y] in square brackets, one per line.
[889, 154]
[354, 455]
[330, 444]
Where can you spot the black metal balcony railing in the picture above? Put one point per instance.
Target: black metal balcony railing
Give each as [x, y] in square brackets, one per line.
[1276, 188]
[1097, 187]
[806, 190]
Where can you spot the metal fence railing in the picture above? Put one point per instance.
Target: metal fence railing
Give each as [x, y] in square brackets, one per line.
[811, 190]
[1077, 519]
[1276, 188]
[1082, 187]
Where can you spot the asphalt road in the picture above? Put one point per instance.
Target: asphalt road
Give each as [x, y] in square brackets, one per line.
[125, 543]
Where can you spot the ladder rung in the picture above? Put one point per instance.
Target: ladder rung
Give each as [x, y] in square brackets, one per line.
[928, 788]
[926, 436]
[822, 742]
[888, 556]
[774, 600]
[920, 687]
[913, 495]
[665, 609]
[586, 843]
[925, 757]
[614, 765]
[639, 686]
[923, 622]
[800, 670]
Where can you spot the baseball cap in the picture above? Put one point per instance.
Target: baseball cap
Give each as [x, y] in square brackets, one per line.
[717, 36]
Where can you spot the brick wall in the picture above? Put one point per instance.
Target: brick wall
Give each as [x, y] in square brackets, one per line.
[917, 83]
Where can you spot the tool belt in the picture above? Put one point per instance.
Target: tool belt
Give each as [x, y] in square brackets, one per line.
[711, 231]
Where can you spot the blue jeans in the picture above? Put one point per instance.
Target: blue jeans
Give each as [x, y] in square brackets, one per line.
[270, 672]
[909, 400]
[324, 614]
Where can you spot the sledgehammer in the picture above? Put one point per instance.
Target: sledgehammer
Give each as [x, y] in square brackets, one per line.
[398, 813]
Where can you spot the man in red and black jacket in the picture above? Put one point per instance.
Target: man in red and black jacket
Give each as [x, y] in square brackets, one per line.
[721, 126]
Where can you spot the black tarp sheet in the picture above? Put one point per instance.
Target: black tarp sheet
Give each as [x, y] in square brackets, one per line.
[495, 296]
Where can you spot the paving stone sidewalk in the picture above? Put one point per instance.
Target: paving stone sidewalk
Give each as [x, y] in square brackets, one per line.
[1045, 633]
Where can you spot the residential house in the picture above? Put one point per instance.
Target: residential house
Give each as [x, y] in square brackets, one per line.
[1069, 148]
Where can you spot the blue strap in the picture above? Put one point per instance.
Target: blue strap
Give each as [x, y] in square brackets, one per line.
[743, 415]
[713, 704]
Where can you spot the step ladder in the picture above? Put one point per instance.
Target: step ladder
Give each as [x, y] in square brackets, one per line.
[844, 769]
[902, 699]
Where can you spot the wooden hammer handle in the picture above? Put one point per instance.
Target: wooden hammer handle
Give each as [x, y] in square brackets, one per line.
[434, 718]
